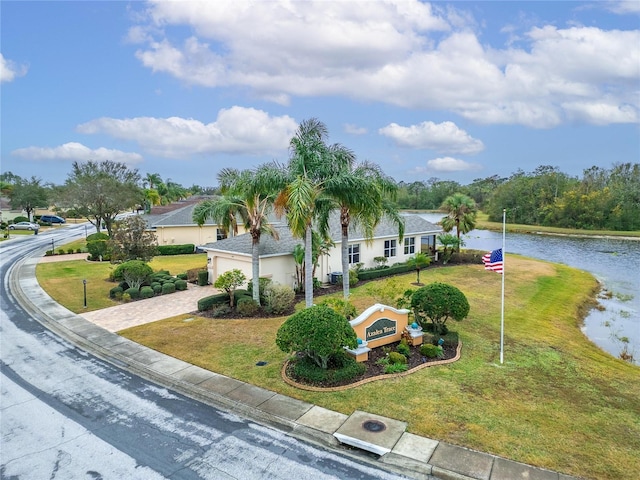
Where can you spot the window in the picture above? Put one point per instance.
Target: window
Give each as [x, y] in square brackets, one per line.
[389, 248]
[409, 246]
[354, 253]
[220, 234]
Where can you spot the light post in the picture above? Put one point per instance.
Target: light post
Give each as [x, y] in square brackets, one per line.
[53, 247]
[84, 284]
[85, 232]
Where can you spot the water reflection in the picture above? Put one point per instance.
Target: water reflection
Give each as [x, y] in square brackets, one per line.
[615, 262]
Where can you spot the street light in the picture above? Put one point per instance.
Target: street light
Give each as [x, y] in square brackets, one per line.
[84, 284]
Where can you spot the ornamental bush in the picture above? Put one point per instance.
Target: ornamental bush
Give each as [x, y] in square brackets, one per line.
[340, 305]
[180, 284]
[396, 357]
[168, 288]
[98, 247]
[134, 272]
[157, 288]
[278, 299]
[176, 249]
[247, 307]
[342, 367]
[132, 292]
[116, 292]
[203, 278]
[316, 332]
[438, 302]
[207, 303]
[146, 292]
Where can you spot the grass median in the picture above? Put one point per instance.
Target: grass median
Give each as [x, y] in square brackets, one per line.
[557, 402]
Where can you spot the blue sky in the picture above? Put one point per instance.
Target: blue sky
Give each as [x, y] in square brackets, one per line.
[453, 90]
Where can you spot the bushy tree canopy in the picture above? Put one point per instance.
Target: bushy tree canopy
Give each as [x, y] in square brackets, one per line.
[134, 272]
[229, 281]
[438, 302]
[131, 241]
[318, 332]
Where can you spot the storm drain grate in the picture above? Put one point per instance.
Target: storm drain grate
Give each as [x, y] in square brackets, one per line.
[374, 426]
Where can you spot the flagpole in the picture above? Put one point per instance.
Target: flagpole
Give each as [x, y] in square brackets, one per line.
[504, 219]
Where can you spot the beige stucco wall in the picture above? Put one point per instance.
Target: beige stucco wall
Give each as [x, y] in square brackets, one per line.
[186, 234]
[279, 269]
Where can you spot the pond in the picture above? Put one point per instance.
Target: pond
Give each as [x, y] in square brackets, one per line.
[614, 262]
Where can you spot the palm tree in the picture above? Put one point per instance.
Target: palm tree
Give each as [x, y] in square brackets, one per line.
[152, 180]
[419, 261]
[311, 163]
[461, 214]
[362, 193]
[250, 195]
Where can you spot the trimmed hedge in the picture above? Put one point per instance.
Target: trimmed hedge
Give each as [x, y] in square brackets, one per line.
[184, 249]
[115, 292]
[384, 272]
[168, 288]
[203, 278]
[157, 288]
[180, 284]
[209, 302]
[146, 292]
[134, 293]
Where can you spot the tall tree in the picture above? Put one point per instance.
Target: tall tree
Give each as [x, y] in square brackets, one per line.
[363, 195]
[132, 241]
[101, 190]
[311, 163]
[29, 195]
[249, 194]
[461, 214]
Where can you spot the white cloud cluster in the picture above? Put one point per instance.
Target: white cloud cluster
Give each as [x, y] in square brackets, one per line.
[9, 70]
[74, 151]
[403, 52]
[443, 137]
[445, 165]
[237, 130]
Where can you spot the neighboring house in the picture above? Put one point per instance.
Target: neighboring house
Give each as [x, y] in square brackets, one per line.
[173, 224]
[276, 258]
[7, 213]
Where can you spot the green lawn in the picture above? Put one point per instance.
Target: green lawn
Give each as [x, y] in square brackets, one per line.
[558, 402]
[63, 280]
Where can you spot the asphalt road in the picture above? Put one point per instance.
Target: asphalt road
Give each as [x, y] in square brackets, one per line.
[66, 414]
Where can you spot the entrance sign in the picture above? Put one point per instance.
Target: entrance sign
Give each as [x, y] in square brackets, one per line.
[383, 327]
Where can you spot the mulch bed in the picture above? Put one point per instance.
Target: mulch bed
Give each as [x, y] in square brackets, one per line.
[415, 361]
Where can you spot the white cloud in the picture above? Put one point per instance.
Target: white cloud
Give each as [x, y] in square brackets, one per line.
[402, 52]
[443, 137]
[236, 130]
[354, 129]
[9, 70]
[74, 151]
[623, 7]
[449, 164]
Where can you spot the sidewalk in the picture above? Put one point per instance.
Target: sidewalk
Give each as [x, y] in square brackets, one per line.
[397, 450]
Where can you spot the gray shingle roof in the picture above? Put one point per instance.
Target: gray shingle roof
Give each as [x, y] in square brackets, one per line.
[176, 218]
[414, 225]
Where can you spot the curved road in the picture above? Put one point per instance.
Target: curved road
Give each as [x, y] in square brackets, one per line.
[66, 414]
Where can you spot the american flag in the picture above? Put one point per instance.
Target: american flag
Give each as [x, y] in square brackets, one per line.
[493, 261]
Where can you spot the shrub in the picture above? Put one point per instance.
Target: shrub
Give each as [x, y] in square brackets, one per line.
[220, 310]
[70, 251]
[439, 302]
[317, 332]
[396, 368]
[168, 288]
[263, 284]
[207, 303]
[48, 253]
[176, 249]
[341, 368]
[133, 292]
[395, 357]
[157, 288]
[126, 298]
[98, 247]
[353, 278]
[192, 274]
[146, 292]
[203, 278]
[116, 292]
[278, 299]
[404, 349]
[61, 251]
[229, 281]
[182, 276]
[340, 305]
[78, 250]
[20, 218]
[180, 285]
[383, 272]
[247, 307]
[134, 272]
[431, 351]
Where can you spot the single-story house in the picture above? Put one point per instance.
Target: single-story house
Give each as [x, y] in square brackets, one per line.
[173, 225]
[276, 256]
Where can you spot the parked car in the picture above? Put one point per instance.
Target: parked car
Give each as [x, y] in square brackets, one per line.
[52, 219]
[24, 226]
